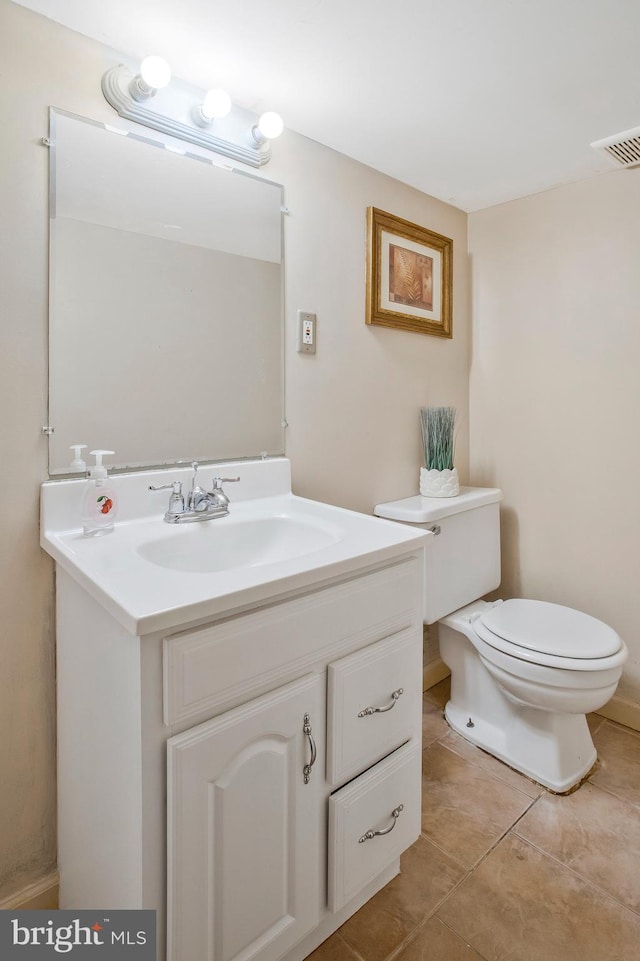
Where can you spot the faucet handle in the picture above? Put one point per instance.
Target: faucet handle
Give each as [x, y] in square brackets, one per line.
[176, 501]
[219, 481]
[175, 486]
[217, 495]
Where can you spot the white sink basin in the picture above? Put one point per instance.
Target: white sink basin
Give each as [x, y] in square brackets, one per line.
[227, 544]
[153, 576]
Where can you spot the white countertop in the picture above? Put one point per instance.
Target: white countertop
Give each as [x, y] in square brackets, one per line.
[144, 596]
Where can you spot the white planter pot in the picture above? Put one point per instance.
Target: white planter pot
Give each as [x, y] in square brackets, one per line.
[439, 483]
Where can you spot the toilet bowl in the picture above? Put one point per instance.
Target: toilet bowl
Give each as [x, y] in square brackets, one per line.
[524, 673]
[525, 706]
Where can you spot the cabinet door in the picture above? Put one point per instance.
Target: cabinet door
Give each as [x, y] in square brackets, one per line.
[244, 855]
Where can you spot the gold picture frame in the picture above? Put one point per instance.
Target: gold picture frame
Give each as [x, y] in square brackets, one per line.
[409, 275]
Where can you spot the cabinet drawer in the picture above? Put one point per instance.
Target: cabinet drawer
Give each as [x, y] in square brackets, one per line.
[367, 715]
[219, 666]
[385, 799]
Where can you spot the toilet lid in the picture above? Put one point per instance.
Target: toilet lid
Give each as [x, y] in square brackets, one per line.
[538, 626]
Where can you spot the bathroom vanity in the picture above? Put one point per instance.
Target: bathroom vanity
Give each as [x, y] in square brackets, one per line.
[239, 712]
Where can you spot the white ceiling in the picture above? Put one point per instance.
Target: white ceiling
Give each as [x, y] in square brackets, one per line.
[473, 101]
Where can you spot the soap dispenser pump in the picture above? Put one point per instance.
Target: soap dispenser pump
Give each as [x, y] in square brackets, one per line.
[77, 464]
[99, 505]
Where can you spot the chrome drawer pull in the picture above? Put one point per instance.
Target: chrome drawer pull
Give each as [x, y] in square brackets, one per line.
[306, 729]
[395, 814]
[381, 710]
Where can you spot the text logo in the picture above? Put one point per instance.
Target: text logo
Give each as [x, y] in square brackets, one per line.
[97, 935]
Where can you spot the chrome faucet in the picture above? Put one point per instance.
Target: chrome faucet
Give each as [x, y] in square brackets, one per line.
[197, 496]
[200, 505]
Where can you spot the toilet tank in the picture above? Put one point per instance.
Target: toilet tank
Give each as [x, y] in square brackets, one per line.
[463, 561]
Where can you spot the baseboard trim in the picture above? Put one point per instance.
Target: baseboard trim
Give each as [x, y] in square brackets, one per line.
[42, 895]
[433, 673]
[623, 711]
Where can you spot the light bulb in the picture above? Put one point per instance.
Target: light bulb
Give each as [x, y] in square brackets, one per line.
[156, 72]
[270, 125]
[217, 104]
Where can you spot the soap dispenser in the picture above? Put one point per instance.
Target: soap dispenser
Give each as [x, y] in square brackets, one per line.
[99, 503]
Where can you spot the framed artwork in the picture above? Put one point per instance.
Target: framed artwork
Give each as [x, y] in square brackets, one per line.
[409, 275]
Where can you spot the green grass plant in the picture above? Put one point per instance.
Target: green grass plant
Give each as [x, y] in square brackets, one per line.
[437, 426]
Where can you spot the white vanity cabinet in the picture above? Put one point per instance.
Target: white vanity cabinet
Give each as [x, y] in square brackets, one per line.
[263, 854]
[246, 763]
[255, 860]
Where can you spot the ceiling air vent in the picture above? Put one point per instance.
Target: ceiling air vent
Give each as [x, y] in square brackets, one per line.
[623, 149]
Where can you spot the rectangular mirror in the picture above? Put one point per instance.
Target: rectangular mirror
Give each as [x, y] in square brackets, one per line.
[166, 302]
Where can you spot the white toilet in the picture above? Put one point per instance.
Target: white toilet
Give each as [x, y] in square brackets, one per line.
[523, 673]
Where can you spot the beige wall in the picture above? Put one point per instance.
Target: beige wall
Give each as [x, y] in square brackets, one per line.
[353, 408]
[353, 434]
[555, 395]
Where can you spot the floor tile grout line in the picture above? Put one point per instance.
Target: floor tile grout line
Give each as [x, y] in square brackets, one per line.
[468, 872]
[633, 804]
[431, 697]
[577, 874]
[480, 767]
[501, 838]
[512, 830]
[520, 817]
[422, 922]
[432, 700]
[444, 851]
[618, 725]
[410, 937]
[467, 942]
[431, 914]
[351, 948]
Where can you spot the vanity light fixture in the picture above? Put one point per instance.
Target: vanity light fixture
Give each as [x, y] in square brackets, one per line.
[182, 111]
[155, 73]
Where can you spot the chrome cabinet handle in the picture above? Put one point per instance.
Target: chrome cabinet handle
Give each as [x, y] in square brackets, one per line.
[381, 710]
[306, 729]
[395, 814]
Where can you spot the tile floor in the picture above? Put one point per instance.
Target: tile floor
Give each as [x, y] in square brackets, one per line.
[505, 871]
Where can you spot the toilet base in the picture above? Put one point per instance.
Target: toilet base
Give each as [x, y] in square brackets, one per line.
[555, 750]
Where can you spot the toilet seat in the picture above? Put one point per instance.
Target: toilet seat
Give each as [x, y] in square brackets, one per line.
[550, 635]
